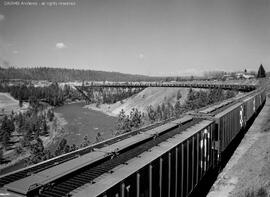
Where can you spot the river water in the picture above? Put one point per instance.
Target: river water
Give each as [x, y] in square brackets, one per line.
[85, 122]
[80, 122]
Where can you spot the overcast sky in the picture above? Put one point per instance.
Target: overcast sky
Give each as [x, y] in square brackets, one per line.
[153, 37]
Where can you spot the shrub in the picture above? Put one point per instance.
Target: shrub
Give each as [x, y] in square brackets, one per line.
[261, 192]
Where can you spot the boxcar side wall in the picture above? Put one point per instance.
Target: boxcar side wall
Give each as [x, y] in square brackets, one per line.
[234, 119]
[176, 172]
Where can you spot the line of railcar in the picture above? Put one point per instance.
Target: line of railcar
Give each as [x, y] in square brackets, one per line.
[91, 165]
[28, 171]
[169, 160]
[231, 120]
[176, 166]
[188, 84]
[173, 168]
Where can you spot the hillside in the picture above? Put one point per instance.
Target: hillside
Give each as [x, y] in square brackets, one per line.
[61, 75]
[8, 104]
[149, 96]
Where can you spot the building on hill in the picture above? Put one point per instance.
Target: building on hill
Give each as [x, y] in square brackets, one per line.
[239, 75]
[245, 76]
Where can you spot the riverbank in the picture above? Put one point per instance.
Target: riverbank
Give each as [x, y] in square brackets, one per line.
[153, 96]
[56, 130]
[248, 171]
[9, 104]
[17, 160]
[9, 97]
[13, 159]
[104, 108]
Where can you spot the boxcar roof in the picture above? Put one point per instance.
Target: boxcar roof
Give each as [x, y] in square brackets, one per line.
[231, 108]
[144, 135]
[22, 186]
[106, 181]
[214, 107]
[41, 178]
[186, 118]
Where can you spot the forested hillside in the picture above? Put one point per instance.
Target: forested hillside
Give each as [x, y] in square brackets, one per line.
[60, 74]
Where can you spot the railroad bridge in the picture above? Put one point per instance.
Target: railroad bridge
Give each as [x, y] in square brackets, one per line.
[184, 84]
[171, 158]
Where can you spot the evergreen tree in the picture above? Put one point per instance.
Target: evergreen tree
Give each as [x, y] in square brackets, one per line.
[121, 120]
[61, 147]
[177, 108]
[7, 127]
[127, 124]
[36, 151]
[135, 118]
[261, 72]
[73, 147]
[190, 104]
[7, 124]
[44, 127]
[164, 111]
[67, 149]
[50, 115]
[5, 139]
[170, 110]
[179, 95]
[20, 121]
[159, 112]
[99, 137]
[85, 142]
[27, 134]
[216, 95]
[152, 115]
[203, 99]
[229, 94]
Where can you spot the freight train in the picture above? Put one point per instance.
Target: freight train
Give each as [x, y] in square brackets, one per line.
[187, 84]
[169, 160]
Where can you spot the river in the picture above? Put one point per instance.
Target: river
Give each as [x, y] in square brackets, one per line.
[80, 122]
[85, 122]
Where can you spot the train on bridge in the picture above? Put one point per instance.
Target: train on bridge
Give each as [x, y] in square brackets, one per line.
[185, 84]
[168, 160]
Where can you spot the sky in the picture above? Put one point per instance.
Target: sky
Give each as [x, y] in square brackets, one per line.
[150, 37]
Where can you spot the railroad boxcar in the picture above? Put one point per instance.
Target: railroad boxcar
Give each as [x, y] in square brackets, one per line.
[172, 168]
[249, 107]
[169, 160]
[32, 184]
[229, 123]
[252, 102]
[231, 120]
[255, 101]
[259, 98]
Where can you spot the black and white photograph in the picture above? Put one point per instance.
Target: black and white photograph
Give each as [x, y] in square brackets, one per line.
[135, 98]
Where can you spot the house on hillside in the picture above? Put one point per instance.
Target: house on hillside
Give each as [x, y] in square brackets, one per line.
[227, 77]
[238, 76]
[244, 76]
